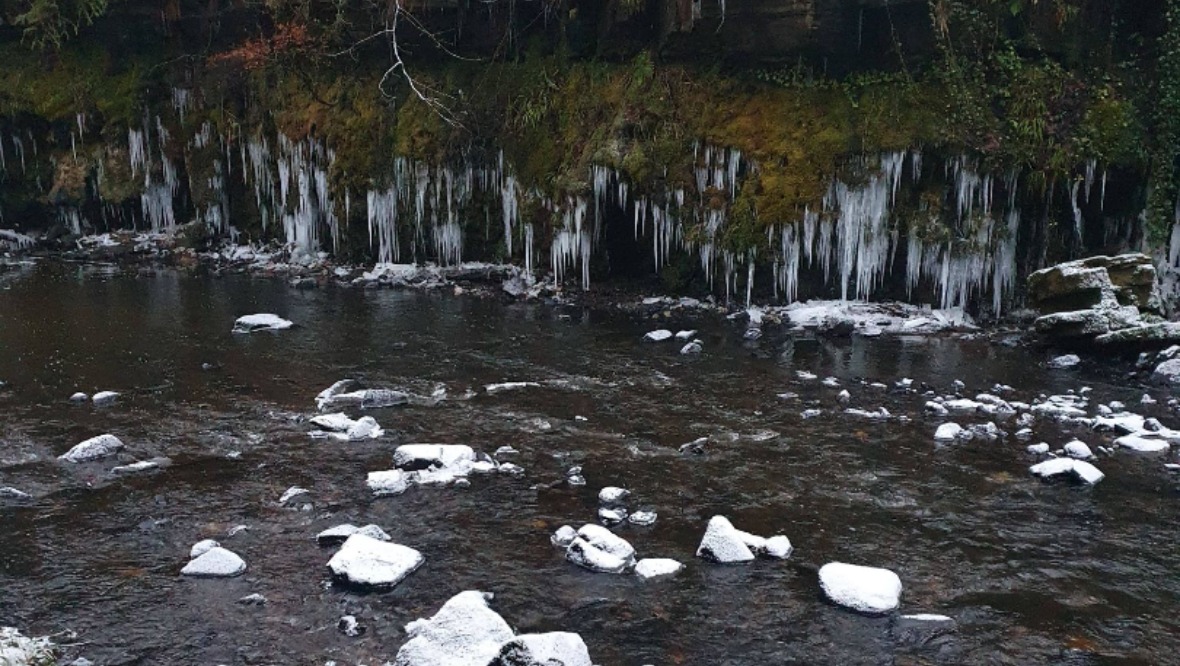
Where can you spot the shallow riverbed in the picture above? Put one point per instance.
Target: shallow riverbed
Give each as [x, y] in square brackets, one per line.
[1033, 572]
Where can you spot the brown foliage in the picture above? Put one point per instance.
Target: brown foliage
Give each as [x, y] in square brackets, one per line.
[257, 53]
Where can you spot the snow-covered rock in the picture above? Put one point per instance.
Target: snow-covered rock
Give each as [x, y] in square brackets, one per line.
[201, 547]
[694, 347]
[464, 632]
[642, 518]
[1167, 372]
[367, 399]
[723, 543]
[93, 449]
[564, 536]
[363, 560]
[423, 456]
[1066, 361]
[389, 482]
[608, 541]
[652, 567]
[1080, 469]
[325, 397]
[611, 496]
[141, 466]
[558, 648]
[935, 409]
[948, 432]
[778, 547]
[17, 649]
[261, 322]
[79, 397]
[292, 493]
[612, 515]
[863, 589]
[686, 335]
[1038, 449]
[1078, 449]
[658, 335]
[338, 422]
[349, 626]
[340, 533]
[1143, 443]
[492, 389]
[588, 556]
[215, 563]
[103, 398]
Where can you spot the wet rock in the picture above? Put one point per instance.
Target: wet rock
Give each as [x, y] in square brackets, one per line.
[1144, 443]
[652, 567]
[253, 600]
[295, 495]
[104, 398]
[340, 533]
[555, 648]
[390, 482]
[141, 466]
[368, 562]
[261, 322]
[413, 457]
[93, 449]
[723, 543]
[215, 563]
[658, 335]
[464, 631]
[493, 389]
[948, 432]
[920, 629]
[1167, 372]
[202, 547]
[349, 626]
[12, 494]
[1079, 469]
[1066, 361]
[863, 589]
[642, 518]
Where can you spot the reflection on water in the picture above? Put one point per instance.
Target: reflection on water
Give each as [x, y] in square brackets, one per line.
[1032, 572]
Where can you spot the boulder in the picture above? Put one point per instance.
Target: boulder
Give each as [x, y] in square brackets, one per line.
[1079, 450]
[948, 432]
[366, 561]
[93, 449]
[1143, 336]
[564, 536]
[464, 632]
[658, 335]
[723, 543]
[1167, 372]
[1074, 285]
[863, 589]
[215, 562]
[612, 496]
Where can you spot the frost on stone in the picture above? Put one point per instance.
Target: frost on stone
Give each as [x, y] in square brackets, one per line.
[1143, 443]
[215, 563]
[652, 567]
[1079, 469]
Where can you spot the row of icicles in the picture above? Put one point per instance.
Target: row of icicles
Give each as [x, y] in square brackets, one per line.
[852, 238]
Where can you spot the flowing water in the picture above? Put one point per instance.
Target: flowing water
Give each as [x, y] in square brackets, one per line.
[1032, 572]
